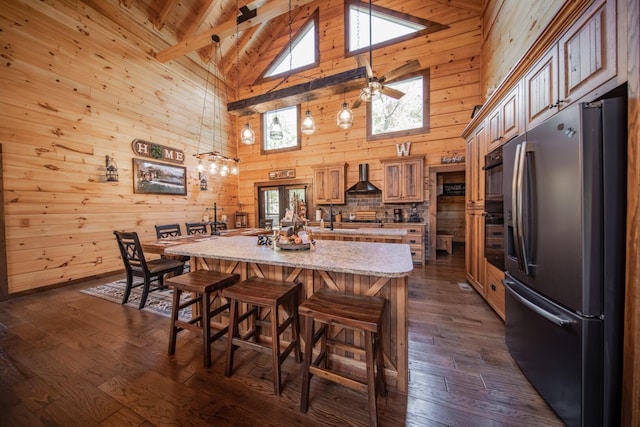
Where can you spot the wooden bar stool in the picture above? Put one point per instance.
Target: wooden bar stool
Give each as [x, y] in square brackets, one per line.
[271, 294]
[358, 312]
[204, 284]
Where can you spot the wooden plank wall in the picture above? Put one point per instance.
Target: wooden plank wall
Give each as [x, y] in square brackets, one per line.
[75, 87]
[452, 56]
[504, 41]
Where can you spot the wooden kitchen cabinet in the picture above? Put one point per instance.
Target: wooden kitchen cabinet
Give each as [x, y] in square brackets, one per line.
[505, 121]
[495, 289]
[403, 180]
[474, 250]
[414, 238]
[476, 149]
[584, 58]
[329, 184]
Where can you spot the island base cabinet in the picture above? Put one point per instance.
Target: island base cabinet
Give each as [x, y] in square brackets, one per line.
[395, 322]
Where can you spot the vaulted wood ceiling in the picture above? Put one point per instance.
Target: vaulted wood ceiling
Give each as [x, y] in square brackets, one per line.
[183, 28]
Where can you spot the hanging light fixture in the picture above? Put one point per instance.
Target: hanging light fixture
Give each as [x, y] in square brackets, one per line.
[308, 124]
[373, 90]
[210, 163]
[275, 128]
[345, 115]
[247, 135]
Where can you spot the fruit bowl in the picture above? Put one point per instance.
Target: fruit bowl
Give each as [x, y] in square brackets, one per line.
[294, 246]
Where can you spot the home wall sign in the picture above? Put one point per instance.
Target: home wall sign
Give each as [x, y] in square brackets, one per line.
[156, 151]
[282, 174]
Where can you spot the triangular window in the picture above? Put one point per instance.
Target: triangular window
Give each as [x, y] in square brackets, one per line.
[303, 53]
[389, 26]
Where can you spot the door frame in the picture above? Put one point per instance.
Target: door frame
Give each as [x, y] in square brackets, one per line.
[434, 170]
[4, 278]
[279, 183]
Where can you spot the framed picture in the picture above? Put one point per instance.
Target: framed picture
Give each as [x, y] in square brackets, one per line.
[158, 178]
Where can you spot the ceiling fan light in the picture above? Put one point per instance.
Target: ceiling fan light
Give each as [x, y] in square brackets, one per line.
[247, 136]
[308, 124]
[371, 92]
[345, 117]
[275, 130]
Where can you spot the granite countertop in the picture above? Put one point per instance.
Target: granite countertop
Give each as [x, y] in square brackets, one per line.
[363, 231]
[364, 258]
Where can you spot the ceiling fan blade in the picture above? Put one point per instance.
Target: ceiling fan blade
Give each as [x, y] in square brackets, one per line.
[363, 61]
[393, 93]
[401, 71]
[356, 103]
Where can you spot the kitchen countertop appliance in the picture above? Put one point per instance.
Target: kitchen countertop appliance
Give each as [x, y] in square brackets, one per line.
[564, 223]
[397, 215]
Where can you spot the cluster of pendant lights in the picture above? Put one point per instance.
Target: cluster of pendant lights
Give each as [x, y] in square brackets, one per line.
[307, 127]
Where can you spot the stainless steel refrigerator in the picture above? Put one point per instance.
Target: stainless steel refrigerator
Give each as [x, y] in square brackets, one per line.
[564, 209]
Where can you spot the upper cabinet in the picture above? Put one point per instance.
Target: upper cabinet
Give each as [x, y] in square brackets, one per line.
[587, 52]
[403, 180]
[329, 184]
[505, 121]
[582, 60]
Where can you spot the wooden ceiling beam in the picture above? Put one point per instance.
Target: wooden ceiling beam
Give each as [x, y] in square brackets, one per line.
[164, 13]
[265, 12]
[323, 87]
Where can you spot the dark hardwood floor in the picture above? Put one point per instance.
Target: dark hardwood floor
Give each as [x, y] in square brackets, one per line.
[70, 359]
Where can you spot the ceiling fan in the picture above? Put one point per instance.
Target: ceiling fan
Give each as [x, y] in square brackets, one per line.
[375, 85]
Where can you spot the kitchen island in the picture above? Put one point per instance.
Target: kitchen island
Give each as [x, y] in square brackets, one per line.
[360, 268]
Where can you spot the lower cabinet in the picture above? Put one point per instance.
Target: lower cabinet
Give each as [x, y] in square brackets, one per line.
[495, 289]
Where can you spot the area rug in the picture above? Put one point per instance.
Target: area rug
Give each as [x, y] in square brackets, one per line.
[158, 302]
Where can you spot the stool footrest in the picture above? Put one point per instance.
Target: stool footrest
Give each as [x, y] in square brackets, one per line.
[340, 379]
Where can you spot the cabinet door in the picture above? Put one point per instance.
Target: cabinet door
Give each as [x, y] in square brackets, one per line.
[412, 181]
[511, 115]
[588, 52]
[541, 87]
[320, 190]
[392, 190]
[494, 124]
[495, 289]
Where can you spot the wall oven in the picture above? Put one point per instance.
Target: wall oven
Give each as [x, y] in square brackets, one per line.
[493, 213]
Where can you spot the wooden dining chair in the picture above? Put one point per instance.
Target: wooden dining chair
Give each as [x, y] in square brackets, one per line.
[136, 265]
[196, 228]
[168, 230]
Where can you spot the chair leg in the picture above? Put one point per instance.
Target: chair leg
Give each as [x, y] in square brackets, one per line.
[206, 327]
[306, 361]
[173, 332]
[233, 333]
[382, 381]
[145, 292]
[127, 290]
[371, 379]
[275, 350]
[296, 327]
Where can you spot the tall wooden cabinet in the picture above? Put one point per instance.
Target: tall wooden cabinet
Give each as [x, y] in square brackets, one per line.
[403, 179]
[474, 209]
[329, 184]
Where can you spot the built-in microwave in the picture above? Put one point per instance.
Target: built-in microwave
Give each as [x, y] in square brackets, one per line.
[493, 212]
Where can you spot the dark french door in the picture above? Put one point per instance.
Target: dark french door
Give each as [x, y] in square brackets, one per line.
[273, 201]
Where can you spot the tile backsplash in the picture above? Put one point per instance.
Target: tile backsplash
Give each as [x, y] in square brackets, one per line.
[373, 202]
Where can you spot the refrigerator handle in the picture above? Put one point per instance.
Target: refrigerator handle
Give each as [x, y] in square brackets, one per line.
[517, 208]
[553, 318]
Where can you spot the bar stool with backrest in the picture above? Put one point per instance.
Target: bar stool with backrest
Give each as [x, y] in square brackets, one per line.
[196, 228]
[259, 293]
[136, 265]
[206, 287]
[361, 313]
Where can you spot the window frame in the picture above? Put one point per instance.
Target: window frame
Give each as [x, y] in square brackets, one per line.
[264, 129]
[426, 122]
[315, 19]
[431, 27]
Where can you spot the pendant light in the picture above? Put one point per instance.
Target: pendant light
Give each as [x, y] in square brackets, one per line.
[275, 129]
[345, 115]
[247, 135]
[308, 124]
